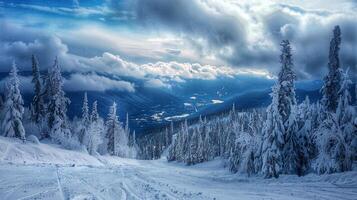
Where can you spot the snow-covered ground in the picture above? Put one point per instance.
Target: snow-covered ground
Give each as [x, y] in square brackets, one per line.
[41, 171]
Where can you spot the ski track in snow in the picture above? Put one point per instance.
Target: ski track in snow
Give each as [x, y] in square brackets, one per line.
[42, 172]
[136, 180]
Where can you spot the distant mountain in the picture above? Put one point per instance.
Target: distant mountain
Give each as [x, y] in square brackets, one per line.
[151, 108]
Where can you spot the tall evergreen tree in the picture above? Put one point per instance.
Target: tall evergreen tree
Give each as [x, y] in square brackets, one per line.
[332, 82]
[57, 106]
[286, 81]
[85, 121]
[113, 126]
[37, 105]
[287, 109]
[85, 109]
[273, 138]
[13, 108]
[305, 135]
[93, 136]
[94, 115]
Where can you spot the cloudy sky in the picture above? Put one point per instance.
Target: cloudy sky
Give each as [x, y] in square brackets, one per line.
[165, 41]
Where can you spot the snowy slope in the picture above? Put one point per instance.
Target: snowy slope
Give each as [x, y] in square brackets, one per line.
[106, 177]
[14, 151]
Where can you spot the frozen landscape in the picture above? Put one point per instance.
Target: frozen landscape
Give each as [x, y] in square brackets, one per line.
[41, 171]
[178, 100]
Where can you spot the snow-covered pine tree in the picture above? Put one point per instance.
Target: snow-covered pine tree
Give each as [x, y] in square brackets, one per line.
[94, 135]
[273, 138]
[172, 152]
[13, 108]
[191, 156]
[94, 115]
[336, 134]
[126, 127]
[334, 153]
[113, 126]
[208, 147]
[242, 158]
[57, 108]
[184, 142]
[286, 80]
[118, 141]
[305, 136]
[166, 138]
[37, 105]
[287, 108]
[85, 120]
[332, 82]
[200, 149]
[345, 112]
[291, 149]
[134, 148]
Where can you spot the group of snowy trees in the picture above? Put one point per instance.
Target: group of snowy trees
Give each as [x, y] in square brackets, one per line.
[47, 117]
[286, 138]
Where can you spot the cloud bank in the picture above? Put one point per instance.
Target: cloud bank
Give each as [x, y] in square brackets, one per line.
[161, 41]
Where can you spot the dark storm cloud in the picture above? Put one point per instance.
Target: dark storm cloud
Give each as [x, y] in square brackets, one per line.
[18, 44]
[310, 38]
[191, 17]
[209, 30]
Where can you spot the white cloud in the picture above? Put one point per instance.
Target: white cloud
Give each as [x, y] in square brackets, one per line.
[156, 83]
[94, 82]
[171, 71]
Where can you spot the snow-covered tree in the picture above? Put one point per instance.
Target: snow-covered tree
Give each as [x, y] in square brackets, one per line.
[37, 105]
[287, 110]
[306, 148]
[345, 112]
[336, 135]
[332, 82]
[273, 138]
[93, 137]
[291, 162]
[286, 81]
[13, 108]
[118, 141]
[208, 147]
[57, 108]
[172, 152]
[166, 137]
[191, 157]
[334, 152]
[134, 148]
[243, 156]
[113, 127]
[85, 119]
[94, 115]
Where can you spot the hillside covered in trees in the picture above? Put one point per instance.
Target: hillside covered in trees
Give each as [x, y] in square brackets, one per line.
[284, 138]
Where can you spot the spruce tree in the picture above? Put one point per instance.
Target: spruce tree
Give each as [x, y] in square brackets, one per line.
[93, 136]
[286, 81]
[37, 105]
[57, 106]
[273, 138]
[94, 115]
[113, 126]
[306, 146]
[332, 81]
[85, 121]
[13, 108]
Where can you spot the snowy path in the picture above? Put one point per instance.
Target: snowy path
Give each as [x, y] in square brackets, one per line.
[130, 179]
[43, 171]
